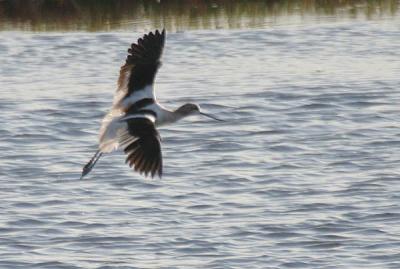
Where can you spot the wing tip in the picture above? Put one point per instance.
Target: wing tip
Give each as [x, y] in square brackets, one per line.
[158, 32]
[149, 173]
[149, 45]
[143, 169]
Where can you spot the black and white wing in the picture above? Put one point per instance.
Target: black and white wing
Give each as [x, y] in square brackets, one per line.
[137, 75]
[135, 87]
[141, 143]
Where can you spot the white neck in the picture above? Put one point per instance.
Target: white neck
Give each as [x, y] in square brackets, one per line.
[168, 117]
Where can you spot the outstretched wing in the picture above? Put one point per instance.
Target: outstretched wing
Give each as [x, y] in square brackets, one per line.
[141, 143]
[137, 74]
[135, 84]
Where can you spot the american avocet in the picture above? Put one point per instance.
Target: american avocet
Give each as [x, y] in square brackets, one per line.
[135, 113]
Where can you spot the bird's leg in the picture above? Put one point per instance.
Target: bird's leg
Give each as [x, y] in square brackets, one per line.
[89, 166]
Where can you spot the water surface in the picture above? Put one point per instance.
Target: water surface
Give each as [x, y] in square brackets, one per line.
[303, 174]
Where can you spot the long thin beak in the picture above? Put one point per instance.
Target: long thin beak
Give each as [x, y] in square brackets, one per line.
[209, 116]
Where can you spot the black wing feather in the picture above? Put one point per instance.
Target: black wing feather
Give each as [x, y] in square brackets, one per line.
[144, 60]
[144, 153]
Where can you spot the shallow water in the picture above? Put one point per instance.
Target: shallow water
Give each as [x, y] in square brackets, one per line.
[303, 174]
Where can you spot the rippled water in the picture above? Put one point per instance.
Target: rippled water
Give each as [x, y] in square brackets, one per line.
[304, 173]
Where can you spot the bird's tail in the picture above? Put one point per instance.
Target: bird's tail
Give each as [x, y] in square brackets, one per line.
[89, 166]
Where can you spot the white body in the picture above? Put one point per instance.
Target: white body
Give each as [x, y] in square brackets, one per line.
[114, 123]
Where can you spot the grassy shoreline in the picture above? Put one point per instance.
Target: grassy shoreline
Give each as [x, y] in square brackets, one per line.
[107, 15]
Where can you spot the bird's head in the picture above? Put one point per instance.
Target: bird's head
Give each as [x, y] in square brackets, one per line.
[192, 109]
[188, 109]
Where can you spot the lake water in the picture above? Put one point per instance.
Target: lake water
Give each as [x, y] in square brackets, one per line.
[304, 173]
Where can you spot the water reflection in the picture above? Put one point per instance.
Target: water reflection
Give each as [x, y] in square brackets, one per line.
[83, 15]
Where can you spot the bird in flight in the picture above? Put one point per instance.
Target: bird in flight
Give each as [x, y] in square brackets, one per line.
[135, 113]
